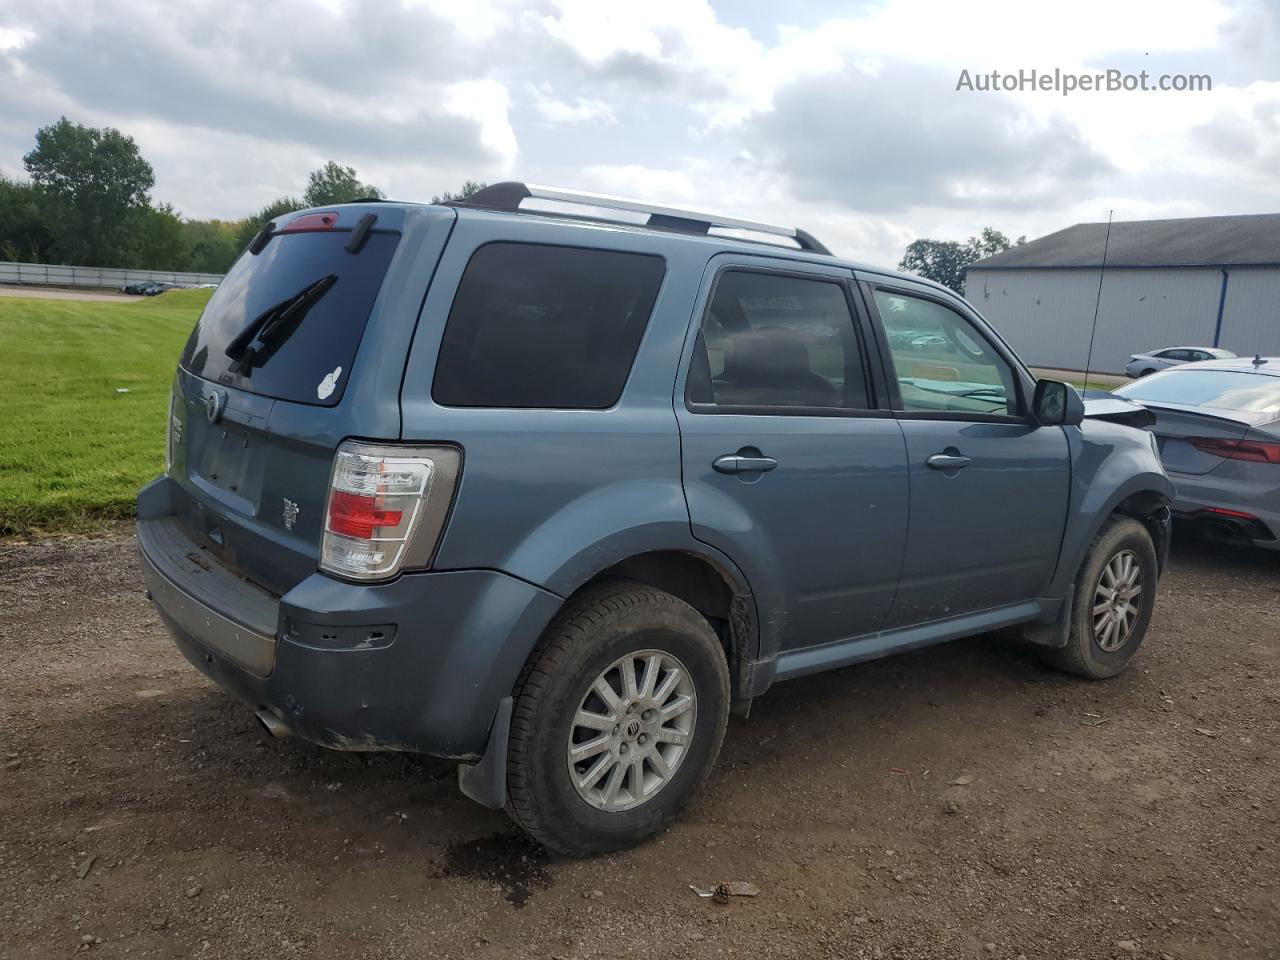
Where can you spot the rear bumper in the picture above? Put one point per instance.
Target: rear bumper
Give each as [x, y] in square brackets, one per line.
[418, 664]
[1199, 495]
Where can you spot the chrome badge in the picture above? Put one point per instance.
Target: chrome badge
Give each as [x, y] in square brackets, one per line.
[215, 401]
[291, 512]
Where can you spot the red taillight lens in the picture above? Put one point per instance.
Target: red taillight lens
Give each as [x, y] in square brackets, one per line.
[387, 507]
[1224, 512]
[1251, 450]
[353, 515]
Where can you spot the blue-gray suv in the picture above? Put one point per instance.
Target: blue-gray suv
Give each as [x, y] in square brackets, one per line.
[552, 483]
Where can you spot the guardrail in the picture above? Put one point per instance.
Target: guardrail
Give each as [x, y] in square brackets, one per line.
[58, 275]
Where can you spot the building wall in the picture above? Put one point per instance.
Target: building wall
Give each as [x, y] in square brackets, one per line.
[1048, 314]
[1251, 314]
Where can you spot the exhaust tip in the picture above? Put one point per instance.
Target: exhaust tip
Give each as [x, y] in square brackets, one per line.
[271, 723]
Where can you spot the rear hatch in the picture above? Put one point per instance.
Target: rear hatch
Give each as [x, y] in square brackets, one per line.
[266, 386]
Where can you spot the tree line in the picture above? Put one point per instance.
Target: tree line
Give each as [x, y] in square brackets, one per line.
[87, 201]
[946, 261]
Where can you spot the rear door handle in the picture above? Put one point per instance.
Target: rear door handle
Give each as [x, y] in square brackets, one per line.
[947, 461]
[737, 463]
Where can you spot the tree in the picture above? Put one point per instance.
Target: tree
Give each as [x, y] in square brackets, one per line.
[210, 245]
[250, 226]
[334, 183]
[945, 261]
[466, 190]
[90, 182]
[23, 235]
[157, 241]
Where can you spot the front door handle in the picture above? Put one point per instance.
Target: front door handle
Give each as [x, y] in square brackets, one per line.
[947, 461]
[737, 463]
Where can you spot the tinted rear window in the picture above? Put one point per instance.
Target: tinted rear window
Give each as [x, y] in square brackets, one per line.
[311, 364]
[541, 326]
[1224, 389]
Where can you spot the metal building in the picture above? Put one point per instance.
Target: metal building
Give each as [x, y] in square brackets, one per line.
[1202, 281]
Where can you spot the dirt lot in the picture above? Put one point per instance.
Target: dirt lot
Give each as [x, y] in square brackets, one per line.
[143, 814]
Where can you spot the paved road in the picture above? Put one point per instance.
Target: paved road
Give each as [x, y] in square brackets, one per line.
[960, 803]
[57, 293]
[1102, 381]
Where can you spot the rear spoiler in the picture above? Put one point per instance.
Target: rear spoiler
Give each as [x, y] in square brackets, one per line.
[1117, 410]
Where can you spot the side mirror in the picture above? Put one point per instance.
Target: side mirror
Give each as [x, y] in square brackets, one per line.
[1056, 404]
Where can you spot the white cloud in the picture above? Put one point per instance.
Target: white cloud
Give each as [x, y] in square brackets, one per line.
[580, 110]
[850, 127]
[486, 102]
[11, 39]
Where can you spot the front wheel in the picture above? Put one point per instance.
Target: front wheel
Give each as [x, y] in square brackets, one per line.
[1114, 597]
[618, 718]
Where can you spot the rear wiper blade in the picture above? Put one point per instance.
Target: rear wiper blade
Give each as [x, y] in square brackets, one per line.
[273, 326]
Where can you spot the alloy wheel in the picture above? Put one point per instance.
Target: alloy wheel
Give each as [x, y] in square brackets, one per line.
[1117, 600]
[632, 730]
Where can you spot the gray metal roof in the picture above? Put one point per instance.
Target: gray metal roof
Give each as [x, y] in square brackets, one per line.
[1248, 240]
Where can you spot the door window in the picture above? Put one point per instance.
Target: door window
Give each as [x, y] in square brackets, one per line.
[942, 363]
[774, 343]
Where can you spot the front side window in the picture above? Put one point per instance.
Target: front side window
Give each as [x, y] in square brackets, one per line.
[942, 363]
[773, 341]
[539, 326]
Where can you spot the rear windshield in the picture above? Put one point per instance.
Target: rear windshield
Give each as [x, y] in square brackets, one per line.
[1223, 389]
[308, 359]
[542, 326]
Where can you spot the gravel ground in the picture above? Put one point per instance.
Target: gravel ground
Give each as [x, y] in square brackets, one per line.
[956, 802]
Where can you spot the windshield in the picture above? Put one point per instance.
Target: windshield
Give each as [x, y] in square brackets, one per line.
[1222, 389]
[309, 362]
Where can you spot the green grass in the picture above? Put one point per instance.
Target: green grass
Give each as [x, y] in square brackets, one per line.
[73, 450]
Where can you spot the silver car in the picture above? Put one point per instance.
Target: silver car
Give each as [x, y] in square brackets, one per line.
[1143, 364]
[1218, 429]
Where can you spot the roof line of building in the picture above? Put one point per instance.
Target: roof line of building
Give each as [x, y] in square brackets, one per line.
[1124, 266]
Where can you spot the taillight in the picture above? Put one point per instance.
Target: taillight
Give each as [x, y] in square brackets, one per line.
[1224, 512]
[1251, 450]
[386, 508]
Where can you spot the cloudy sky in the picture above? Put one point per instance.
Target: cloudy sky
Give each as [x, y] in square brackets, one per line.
[843, 118]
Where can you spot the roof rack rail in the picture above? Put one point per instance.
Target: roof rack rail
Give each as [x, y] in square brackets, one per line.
[508, 195]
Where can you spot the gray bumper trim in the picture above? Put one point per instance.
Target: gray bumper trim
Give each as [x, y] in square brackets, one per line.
[252, 649]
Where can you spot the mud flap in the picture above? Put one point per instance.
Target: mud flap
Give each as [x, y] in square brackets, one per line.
[1056, 632]
[485, 781]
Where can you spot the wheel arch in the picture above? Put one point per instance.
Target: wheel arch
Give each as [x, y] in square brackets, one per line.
[711, 585]
[1151, 509]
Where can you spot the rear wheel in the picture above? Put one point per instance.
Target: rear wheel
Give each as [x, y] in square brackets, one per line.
[1114, 597]
[618, 718]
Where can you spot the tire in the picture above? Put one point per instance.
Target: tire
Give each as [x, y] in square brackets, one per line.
[1146, 373]
[1086, 655]
[607, 624]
